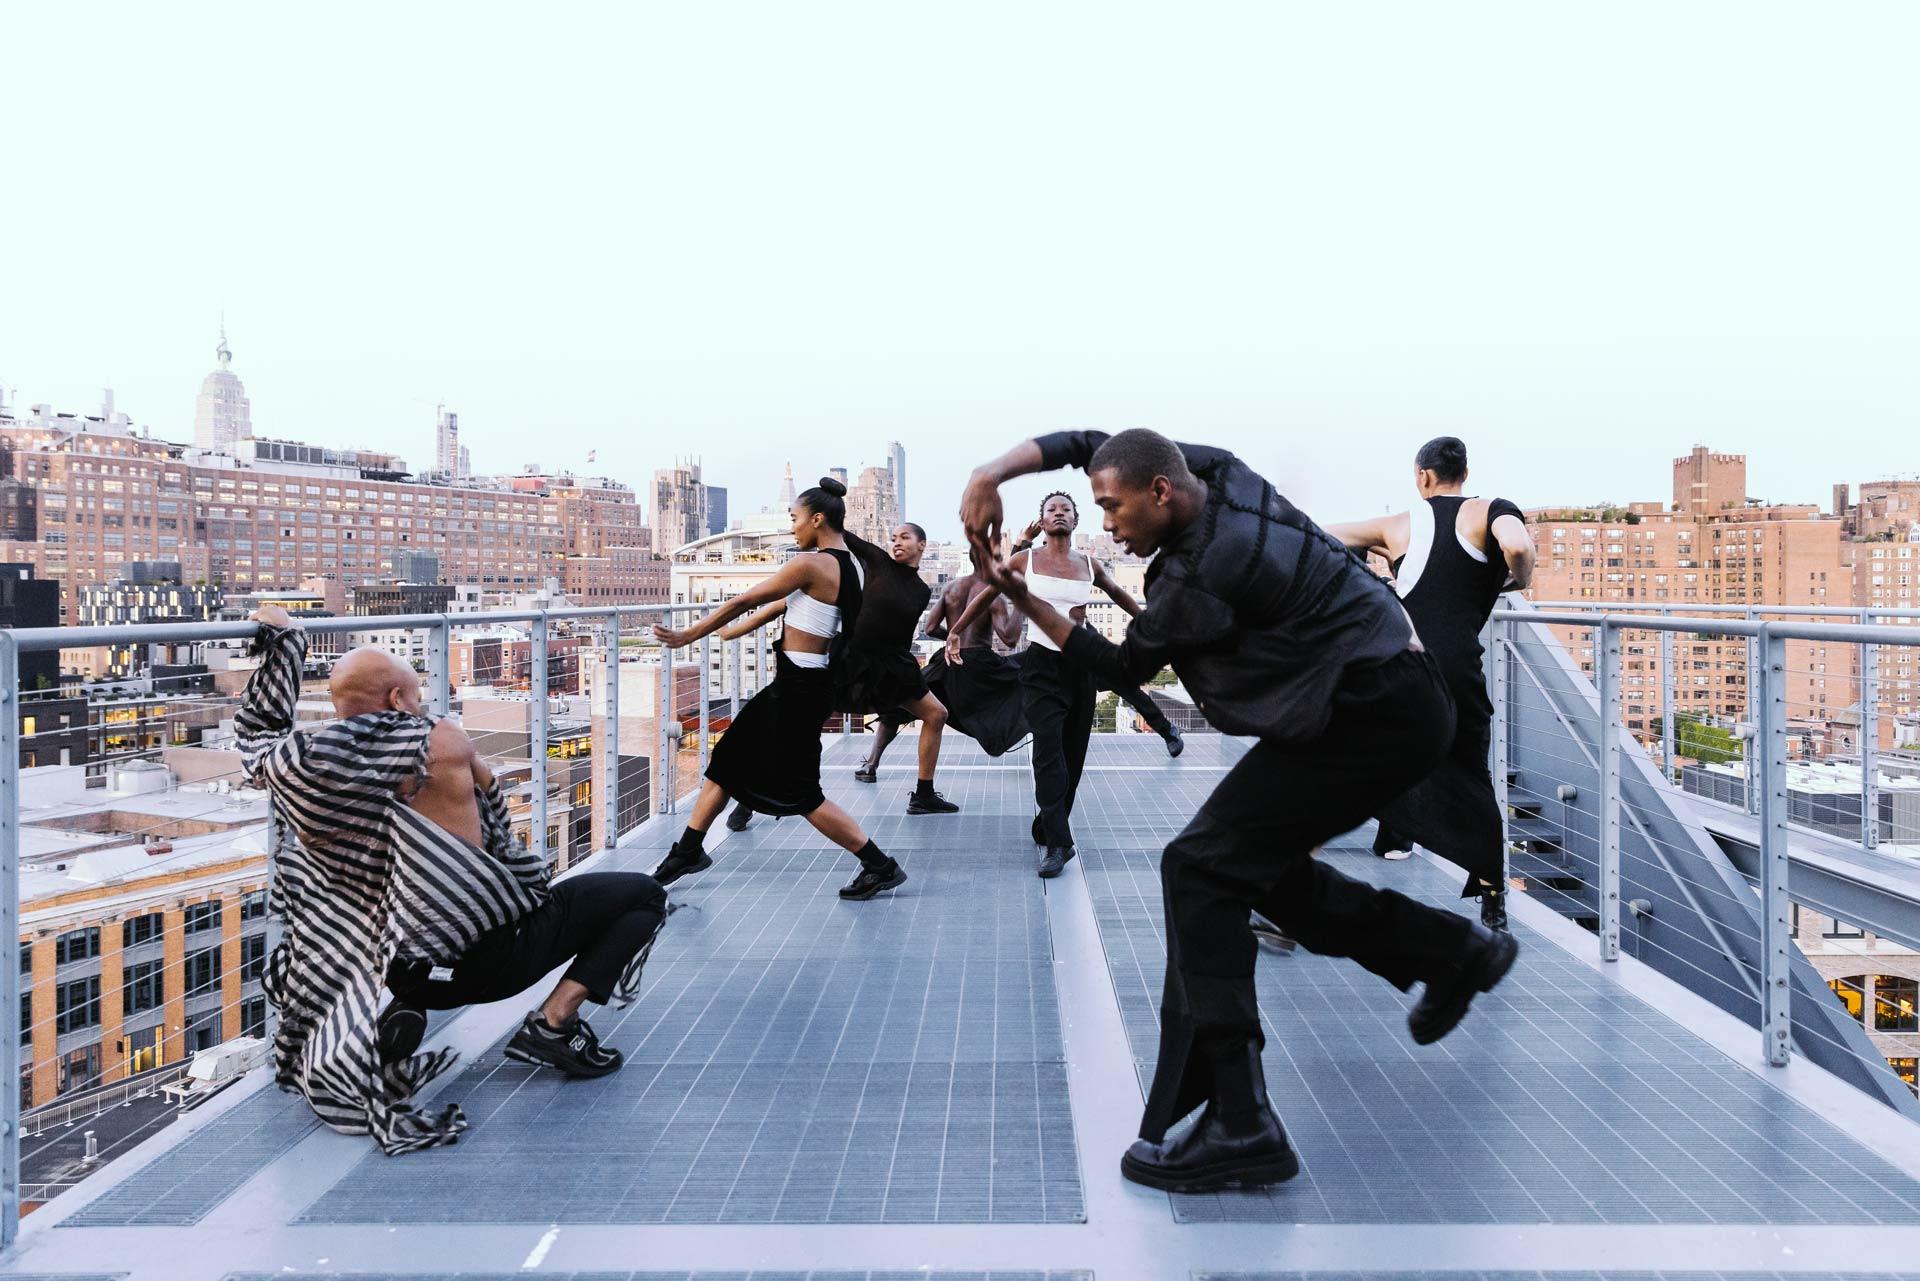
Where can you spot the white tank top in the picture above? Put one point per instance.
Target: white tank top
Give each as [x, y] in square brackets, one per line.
[816, 617]
[1064, 594]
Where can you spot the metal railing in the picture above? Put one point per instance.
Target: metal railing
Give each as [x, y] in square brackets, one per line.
[1539, 776]
[730, 682]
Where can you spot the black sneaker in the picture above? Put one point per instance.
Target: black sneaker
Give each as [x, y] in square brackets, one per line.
[739, 817]
[681, 862]
[1176, 743]
[1493, 909]
[1055, 861]
[1489, 955]
[930, 802]
[574, 1050]
[872, 880]
[866, 774]
[400, 1030]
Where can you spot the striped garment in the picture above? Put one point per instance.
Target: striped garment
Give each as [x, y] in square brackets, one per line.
[359, 879]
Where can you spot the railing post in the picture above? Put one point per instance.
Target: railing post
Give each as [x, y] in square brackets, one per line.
[1776, 943]
[537, 739]
[439, 667]
[10, 933]
[1669, 695]
[1500, 674]
[611, 779]
[662, 712]
[1608, 891]
[734, 647]
[1870, 745]
[706, 698]
[1750, 765]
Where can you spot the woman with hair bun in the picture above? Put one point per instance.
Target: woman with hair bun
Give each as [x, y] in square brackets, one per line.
[770, 756]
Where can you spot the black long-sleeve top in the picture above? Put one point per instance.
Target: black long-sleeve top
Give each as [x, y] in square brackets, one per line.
[893, 602]
[1257, 609]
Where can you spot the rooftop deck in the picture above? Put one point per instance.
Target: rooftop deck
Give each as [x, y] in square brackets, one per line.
[941, 1083]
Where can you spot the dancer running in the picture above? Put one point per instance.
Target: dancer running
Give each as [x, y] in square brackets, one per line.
[397, 861]
[1059, 692]
[1452, 556]
[770, 756]
[1282, 635]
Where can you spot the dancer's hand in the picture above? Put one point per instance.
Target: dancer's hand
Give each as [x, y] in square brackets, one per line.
[673, 637]
[1031, 534]
[953, 651]
[274, 616]
[982, 515]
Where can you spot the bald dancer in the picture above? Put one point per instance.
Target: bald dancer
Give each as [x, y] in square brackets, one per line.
[401, 869]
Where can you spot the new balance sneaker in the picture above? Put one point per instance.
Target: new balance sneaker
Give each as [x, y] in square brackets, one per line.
[574, 1050]
[399, 1031]
[873, 880]
[930, 802]
[681, 861]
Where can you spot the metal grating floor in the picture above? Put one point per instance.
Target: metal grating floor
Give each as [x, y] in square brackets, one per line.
[792, 1059]
[1560, 1100]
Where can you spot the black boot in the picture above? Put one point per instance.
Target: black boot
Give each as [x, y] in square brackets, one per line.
[1238, 1142]
[1493, 908]
[741, 816]
[687, 856]
[1489, 955]
[1055, 861]
[878, 872]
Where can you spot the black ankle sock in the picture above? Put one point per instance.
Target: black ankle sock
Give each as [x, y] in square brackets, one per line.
[693, 839]
[873, 858]
[925, 788]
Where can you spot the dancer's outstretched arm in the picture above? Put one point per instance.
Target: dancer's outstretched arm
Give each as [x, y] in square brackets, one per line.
[755, 621]
[802, 571]
[1369, 536]
[981, 602]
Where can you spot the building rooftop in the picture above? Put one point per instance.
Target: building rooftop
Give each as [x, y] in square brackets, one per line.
[940, 1084]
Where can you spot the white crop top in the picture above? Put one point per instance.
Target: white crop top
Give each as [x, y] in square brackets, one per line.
[1064, 594]
[816, 618]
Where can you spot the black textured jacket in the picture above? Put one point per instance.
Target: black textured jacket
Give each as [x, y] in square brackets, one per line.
[1257, 608]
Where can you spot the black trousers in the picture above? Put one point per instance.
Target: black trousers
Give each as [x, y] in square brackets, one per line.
[1059, 696]
[1250, 848]
[599, 921]
[1142, 702]
[1453, 810]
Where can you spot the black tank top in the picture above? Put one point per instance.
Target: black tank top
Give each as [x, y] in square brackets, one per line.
[1447, 589]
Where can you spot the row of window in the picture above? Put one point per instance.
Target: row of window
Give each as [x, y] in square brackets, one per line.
[84, 944]
[76, 1003]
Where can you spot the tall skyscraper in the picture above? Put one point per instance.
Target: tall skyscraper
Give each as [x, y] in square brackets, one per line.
[787, 494]
[679, 507]
[897, 464]
[873, 511]
[716, 509]
[221, 414]
[446, 442]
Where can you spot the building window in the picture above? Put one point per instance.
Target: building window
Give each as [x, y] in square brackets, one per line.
[1896, 1004]
[254, 906]
[1852, 993]
[203, 970]
[146, 987]
[76, 1005]
[1841, 930]
[80, 1069]
[253, 1017]
[26, 958]
[203, 916]
[141, 929]
[253, 956]
[77, 945]
[26, 1017]
[1905, 1069]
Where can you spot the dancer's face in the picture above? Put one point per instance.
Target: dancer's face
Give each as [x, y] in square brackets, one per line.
[1059, 516]
[1139, 518]
[806, 525]
[908, 547]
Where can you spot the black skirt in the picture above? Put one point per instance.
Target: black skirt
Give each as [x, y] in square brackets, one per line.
[769, 757]
[882, 681]
[983, 698]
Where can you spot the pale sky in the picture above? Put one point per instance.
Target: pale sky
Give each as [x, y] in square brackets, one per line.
[1583, 238]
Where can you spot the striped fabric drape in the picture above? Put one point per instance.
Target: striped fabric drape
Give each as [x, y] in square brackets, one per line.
[360, 878]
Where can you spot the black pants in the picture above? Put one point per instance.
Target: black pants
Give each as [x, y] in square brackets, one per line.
[1142, 702]
[1453, 810]
[1059, 696]
[599, 921]
[1251, 848]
